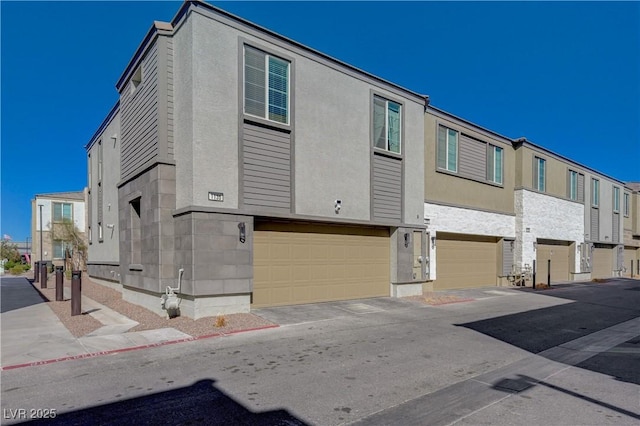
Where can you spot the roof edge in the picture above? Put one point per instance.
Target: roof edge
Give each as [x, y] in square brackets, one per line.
[107, 120]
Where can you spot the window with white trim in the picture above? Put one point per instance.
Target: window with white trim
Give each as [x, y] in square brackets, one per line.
[539, 174]
[62, 212]
[60, 248]
[595, 192]
[266, 85]
[495, 156]
[626, 204]
[573, 185]
[616, 199]
[387, 119]
[447, 149]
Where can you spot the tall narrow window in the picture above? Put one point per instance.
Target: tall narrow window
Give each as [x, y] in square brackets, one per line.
[447, 149]
[626, 204]
[266, 85]
[616, 199]
[595, 192]
[99, 161]
[89, 171]
[136, 231]
[494, 164]
[573, 185]
[386, 124]
[539, 174]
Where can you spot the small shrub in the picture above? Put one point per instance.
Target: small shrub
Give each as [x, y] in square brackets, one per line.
[221, 321]
[26, 266]
[16, 270]
[9, 264]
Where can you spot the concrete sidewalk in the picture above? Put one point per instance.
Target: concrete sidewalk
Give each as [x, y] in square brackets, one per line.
[32, 333]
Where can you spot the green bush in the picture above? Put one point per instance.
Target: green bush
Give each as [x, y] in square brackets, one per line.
[17, 269]
[26, 266]
[9, 264]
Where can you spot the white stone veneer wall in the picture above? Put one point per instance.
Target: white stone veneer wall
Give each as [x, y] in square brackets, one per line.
[464, 221]
[549, 218]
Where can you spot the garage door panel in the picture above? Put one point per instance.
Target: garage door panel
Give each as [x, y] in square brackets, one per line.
[465, 262]
[559, 255]
[602, 262]
[301, 263]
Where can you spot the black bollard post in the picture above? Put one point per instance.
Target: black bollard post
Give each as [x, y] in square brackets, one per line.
[43, 275]
[549, 272]
[36, 271]
[631, 268]
[76, 292]
[59, 284]
[534, 274]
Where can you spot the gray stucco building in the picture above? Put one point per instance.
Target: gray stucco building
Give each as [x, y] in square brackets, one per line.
[270, 173]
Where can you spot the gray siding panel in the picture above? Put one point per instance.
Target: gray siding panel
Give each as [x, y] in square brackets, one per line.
[595, 224]
[139, 115]
[170, 97]
[507, 256]
[581, 187]
[472, 158]
[616, 228]
[387, 187]
[266, 160]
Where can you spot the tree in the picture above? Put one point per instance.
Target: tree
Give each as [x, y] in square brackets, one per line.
[8, 250]
[75, 252]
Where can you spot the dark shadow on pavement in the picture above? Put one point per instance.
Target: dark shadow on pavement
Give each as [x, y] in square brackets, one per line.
[594, 307]
[200, 403]
[16, 293]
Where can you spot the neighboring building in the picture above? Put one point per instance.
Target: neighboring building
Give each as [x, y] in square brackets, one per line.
[469, 202]
[270, 173]
[56, 208]
[631, 214]
[103, 226]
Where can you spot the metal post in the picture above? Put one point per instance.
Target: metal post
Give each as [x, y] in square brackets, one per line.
[36, 271]
[43, 275]
[76, 292]
[59, 284]
[534, 274]
[41, 228]
[549, 272]
[631, 268]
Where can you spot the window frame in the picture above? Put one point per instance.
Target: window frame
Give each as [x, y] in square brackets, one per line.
[387, 137]
[595, 192]
[267, 56]
[62, 217]
[446, 145]
[537, 162]
[573, 185]
[626, 204]
[57, 245]
[616, 199]
[491, 150]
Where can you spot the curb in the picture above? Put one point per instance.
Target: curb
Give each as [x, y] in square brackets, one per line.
[133, 348]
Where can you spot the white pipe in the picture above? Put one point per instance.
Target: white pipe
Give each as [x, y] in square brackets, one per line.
[177, 289]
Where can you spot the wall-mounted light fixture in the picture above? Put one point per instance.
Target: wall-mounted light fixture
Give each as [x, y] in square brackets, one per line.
[242, 232]
[338, 206]
[433, 242]
[407, 239]
[110, 225]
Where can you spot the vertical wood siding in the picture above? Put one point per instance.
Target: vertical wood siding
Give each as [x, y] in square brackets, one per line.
[595, 224]
[170, 97]
[581, 187]
[472, 158]
[139, 115]
[507, 256]
[615, 237]
[266, 161]
[387, 187]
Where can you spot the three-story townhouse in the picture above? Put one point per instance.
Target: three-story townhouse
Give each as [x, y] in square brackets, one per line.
[631, 218]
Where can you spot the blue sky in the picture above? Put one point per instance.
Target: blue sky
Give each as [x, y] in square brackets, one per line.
[565, 75]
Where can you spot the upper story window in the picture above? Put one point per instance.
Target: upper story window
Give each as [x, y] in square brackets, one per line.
[595, 192]
[447, 149]
[494, 164]
[386, 124]
[616, 199]
[266, 85]
[100, 161]
[626, 204]
[539, 174]
[89, 170]
[62, 212]
[136, 79]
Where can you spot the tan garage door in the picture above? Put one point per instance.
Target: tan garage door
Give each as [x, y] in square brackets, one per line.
[464, 261]
[601, 262]
[558, 252]
[307, 263]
